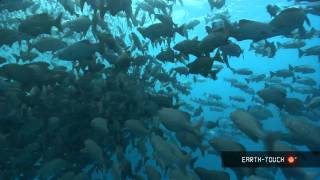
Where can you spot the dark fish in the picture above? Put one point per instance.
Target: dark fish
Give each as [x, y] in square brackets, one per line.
[254, 30]
[282, 22]
[39, 24]
[206, 174]
[201, 65]
[2, 60]
[260, 112]
[79, 25]
[79, 51]
[312, 51]
[216, 3]
[68, 5]
[294, 106]
[8, 37]
[212, 41]
[189, 47]
[166, 55]
[231, 50]
[48, 44]
[115, 7]
[13, 5]
[292, 44]
[274, 96]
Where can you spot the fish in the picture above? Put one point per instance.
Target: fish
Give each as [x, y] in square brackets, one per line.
[189, 47]
[37, 24]
[2, 60]
[283, 73]
[305, 81]
[292, 172]
[221, 144]
[299, 128]
[312, 51]
[291, 45]
[201, 65]
[248, 124]
[216, 3]
[79, 25]
[167, 55]
[294, 106]
[48, 44]
[177, 121]
[115, 7]
[273, 95]
[231, 50]
[52, 168]
[81, 51]
[264, 48]
[152, 173]
[212, 41]
[204, 173]
[256, 78]
[237, 98]
[314, 102]
[304, 69]
[282, 24]
[191, 25]
[167, 154]
[242, 71]
[136, 127]
[252, 30]
[12, 6]
[93, 151]
[260, 112]
[10, 36]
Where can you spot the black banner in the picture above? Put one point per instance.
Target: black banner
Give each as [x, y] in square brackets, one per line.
[270, 159]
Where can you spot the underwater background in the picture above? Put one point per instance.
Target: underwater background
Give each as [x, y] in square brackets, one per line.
[49, 111]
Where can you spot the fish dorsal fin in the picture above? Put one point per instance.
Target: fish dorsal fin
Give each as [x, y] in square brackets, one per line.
[217, 57]
[85, 41]
[244, 21]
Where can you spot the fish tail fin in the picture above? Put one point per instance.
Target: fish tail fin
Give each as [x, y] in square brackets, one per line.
[294, 79]
[279, 45]
[200, 123]
[181, 30]
[203, 148]
[233, 70]
[307, 100]
[247, 80]
[95, 20]
[193, 161]
[81, 4]
[270, 138]
[102, 10]
[271, 74]
[301, 53]
[291, 67]
[307, 20]
[218, 57]
[291, 88]
[58, 22]
[29, 46]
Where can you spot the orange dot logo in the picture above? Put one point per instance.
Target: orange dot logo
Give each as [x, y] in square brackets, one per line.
[291, 159]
